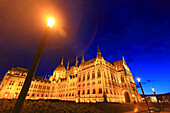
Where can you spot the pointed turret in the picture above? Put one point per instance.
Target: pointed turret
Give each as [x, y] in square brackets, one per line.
[123, 59]
[76, 63]
[82, 59]
[62, 61]
[99, 53]
[68, 66]
[98, 50]
[45, 77]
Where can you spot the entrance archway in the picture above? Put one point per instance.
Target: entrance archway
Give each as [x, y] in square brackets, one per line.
[127, 98]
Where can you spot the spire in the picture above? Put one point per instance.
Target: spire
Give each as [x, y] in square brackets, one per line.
[82, 59]
[68, 66]
[45, 77]
[62, 61]
[99, 53]
[76, 63]
[123, 60]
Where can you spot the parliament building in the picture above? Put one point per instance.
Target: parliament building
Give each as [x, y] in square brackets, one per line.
[95, 80]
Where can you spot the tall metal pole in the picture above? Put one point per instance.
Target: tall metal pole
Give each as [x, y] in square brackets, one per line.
[31, 73]
[144, 97]
[157, 100]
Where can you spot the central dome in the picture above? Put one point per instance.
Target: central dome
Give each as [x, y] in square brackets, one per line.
[60, 68]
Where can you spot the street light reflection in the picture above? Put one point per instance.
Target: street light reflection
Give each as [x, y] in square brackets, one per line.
[136, 110]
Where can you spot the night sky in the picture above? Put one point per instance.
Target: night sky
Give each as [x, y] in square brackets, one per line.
[139, 30]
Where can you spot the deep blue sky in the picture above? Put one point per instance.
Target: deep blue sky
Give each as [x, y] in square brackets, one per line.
[135, 29]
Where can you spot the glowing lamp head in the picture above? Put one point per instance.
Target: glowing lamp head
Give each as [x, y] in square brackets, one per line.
[153, 89]
[138, 79]
[50, 22]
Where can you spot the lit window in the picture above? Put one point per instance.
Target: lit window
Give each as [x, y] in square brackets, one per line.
[98, 73]
[100, 90]
[94, 91]
[93, 75]
[88, 91]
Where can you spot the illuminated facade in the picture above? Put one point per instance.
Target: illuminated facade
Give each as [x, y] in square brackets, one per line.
[96, 80]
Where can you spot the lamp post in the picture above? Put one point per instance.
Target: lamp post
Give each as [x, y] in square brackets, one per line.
[33, 67]
[157, 98]
[143, 94]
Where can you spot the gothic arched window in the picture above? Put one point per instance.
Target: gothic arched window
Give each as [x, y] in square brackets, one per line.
[122, 79]
[88, 76]
[98, 73]
[93, 74]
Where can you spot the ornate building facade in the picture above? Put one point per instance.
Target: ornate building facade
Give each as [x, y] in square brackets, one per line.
[96, 80]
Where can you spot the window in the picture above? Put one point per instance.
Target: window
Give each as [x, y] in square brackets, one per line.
[99, 82]
[93, 83]
[10, 82]
[83, 92]
[106, 82]
[93, 75]
[79, 79]
[37, 95]
[42, 95]
[110, 82]
[111, 76]
[98, 73]
[31, 85]
[44, 87]
[88, 84]
[122, 79]
[40, 86]
[94, 91]
[111, 91]
[32, 95]
[79, 92]
[83, 77]
[28, 94]
[48, 87]
[88, 91]
[88, 76]
[106, 91]
[100, 90]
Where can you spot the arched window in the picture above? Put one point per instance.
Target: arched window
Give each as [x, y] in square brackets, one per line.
[100, 90]
[83, 77]
[88, 91]
[79, 92]
[94, 91]
[93, 74]
[110, 91]
[122, 79]
[98, 73]
[88, 76]
[83, 92]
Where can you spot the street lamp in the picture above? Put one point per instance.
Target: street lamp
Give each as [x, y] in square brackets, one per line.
[157, 98]
[143, 94]
[33, 67]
